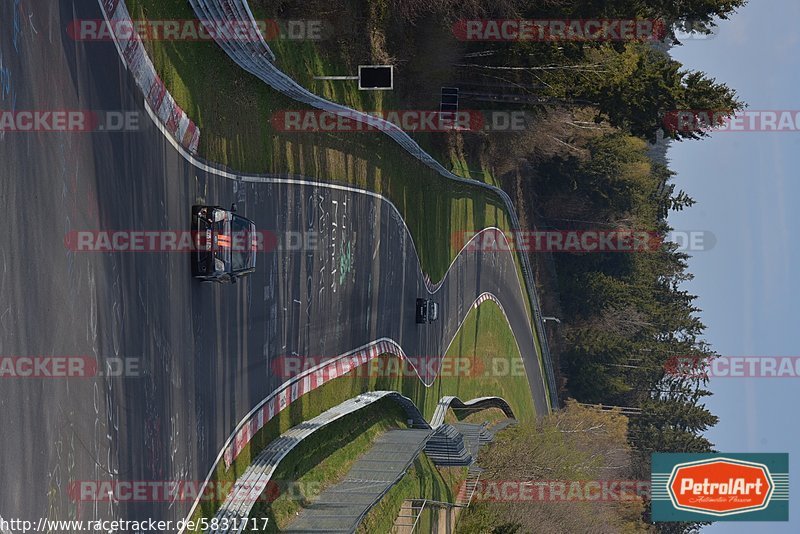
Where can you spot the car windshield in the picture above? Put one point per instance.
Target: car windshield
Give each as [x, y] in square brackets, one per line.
[241, 255]
[222, 229]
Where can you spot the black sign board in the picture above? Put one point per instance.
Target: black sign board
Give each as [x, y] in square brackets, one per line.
[375, 77]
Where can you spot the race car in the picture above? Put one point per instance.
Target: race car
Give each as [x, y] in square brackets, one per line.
[427, 311]
[225, 244]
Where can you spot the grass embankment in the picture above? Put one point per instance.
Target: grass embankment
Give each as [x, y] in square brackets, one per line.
[323, 459]
[422, 481]
[484, 339]
[346, 45]
[234, 111]
[368, 32]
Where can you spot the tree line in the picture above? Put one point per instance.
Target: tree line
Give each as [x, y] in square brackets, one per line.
[625, 317]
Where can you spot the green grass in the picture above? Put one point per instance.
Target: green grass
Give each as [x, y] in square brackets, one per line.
[338, 54]
[233, 110]
[422, 481]
[485, 341]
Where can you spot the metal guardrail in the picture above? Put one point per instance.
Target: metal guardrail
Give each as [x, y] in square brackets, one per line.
[247, 488]
[257, 59]
[239, 502]
[383, 493]
[472, 406]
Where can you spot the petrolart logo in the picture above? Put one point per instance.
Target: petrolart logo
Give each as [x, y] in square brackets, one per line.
[720, 487]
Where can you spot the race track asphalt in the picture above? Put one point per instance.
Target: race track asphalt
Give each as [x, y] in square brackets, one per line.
[207, 351]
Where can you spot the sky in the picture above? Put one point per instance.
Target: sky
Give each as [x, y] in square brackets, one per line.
[747, 188]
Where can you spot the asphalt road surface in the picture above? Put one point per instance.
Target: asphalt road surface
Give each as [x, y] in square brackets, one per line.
[206, 350]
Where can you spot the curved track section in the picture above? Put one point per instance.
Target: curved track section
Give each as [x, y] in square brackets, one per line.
[205, 354]
[309, 379]
[257, 59]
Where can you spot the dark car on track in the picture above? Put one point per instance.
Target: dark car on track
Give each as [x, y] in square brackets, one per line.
[427, 311]
[225, 244]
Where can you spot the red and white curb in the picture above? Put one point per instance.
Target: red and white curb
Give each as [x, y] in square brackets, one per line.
[134, 56]
[305, 382]
[311, 379]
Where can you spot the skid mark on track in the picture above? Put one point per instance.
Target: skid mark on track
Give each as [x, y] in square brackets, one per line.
[8, 92]
[17, 24]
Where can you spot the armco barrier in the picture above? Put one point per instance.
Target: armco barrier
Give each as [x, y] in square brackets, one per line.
[134, 55]
[469, 407]
[253, 482]
[257, 59]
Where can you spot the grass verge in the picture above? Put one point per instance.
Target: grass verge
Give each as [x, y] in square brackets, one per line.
[486, 348]
[422, 481]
